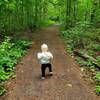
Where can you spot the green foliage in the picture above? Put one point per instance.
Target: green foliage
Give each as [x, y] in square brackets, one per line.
[96, 47]
[4, 52]
[90, 52]
[7, 4]
[48, 23]
[80, 10]
[98, 59]
[21, 43]
[81, 62]
[77, 36]
[97, 77]
[69, 49]
[3, 75]
[22, 15]
[83, 38]
[10, 51]
[87, 63]
[2, 90]
[93, 45]
[98, 89]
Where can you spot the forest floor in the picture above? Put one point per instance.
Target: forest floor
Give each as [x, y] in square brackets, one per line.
[65, 84]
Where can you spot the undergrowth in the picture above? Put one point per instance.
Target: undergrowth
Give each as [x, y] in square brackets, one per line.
[85, 38]
[10, 51]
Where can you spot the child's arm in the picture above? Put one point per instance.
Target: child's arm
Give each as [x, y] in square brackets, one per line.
[39, 56]
[50, 55]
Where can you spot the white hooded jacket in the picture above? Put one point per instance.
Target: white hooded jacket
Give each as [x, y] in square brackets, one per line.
[45, 57]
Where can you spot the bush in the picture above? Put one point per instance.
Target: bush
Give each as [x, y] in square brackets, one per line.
[86, 39]
[93, 46]
[98, 59]
[98, 89]
[97, 77]
[81, 36]
[75, 38]
[10, 51]
[21, 43]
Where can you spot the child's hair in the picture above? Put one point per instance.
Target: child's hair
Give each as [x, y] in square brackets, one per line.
[44, 46]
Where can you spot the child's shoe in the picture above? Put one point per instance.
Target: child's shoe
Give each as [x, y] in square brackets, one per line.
[51, 73]
[42, 78]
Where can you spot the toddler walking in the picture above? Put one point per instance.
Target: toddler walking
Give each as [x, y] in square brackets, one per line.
[45, 58]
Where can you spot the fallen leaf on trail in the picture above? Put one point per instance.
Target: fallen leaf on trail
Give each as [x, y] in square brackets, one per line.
[21, 62]
[70, 85]
[82, 69]
[14, 76]
[68, 70]
[22, 71]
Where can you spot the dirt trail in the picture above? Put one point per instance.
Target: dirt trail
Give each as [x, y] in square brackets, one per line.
[66, 83]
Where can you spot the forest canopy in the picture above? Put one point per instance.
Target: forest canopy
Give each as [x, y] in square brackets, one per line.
[18, 15]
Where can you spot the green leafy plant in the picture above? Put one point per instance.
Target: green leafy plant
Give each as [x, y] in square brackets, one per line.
[97, 80]
[10, 51]
[98, 59]
[3, 75]
[98, 89]
[96, 47]
[90, 52]
[97, 77]
[2, 90]
[21, 43]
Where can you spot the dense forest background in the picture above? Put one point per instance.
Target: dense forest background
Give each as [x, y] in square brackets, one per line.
[79, 22]
[17, 15]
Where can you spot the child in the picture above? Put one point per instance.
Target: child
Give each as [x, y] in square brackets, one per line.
[45, 58]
